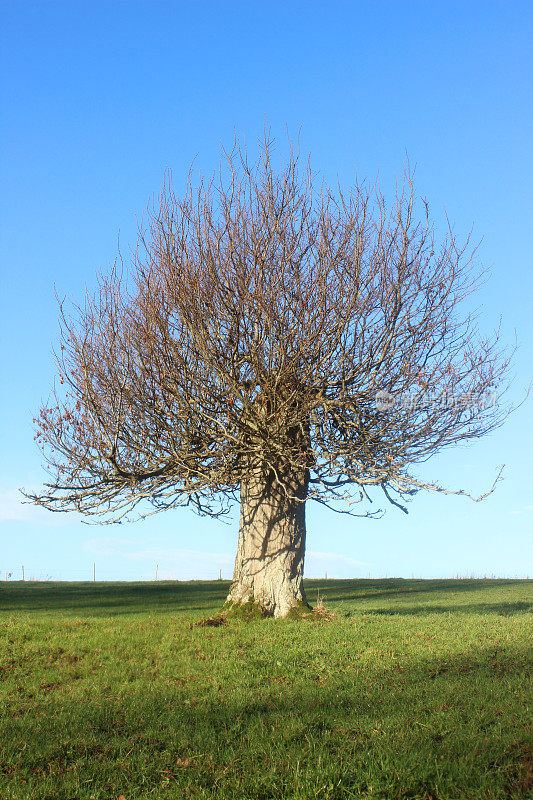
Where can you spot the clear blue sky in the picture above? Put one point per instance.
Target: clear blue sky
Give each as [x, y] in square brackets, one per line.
[98, 98]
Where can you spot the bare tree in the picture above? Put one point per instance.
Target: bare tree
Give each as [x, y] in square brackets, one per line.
[275, 341]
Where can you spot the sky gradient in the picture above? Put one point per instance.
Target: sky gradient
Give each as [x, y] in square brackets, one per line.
[100, 98]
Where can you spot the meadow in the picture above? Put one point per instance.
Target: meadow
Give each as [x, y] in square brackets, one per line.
[409, 689]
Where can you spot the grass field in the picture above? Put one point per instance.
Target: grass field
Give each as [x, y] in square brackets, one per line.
[416, 689]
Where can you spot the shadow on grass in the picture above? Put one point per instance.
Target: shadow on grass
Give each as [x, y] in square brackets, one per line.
[399, 587]
[112, 598]
[360, 725]
[504, 609]
[134, 598]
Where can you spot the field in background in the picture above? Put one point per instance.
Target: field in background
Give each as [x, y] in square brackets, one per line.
[416, 689]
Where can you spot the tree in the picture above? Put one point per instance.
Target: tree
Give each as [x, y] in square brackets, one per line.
[274, 341]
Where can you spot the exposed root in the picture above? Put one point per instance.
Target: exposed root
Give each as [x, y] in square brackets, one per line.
[210, 622]
[320, 612]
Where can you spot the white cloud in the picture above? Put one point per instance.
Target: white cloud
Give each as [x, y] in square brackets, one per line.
[14, 508]
[177, 555]
[114, 546]
[172, 562]
[336, 565]
[335, 557]
[190, 563]
[107, 545]
[523, 510]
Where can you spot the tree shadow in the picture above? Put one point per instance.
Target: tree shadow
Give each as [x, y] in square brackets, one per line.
[360, 720]
[368, 589]
[504, 609]
[101, 598]
[112, 598]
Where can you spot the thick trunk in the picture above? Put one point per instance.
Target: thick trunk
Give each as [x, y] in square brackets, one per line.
[270, 555]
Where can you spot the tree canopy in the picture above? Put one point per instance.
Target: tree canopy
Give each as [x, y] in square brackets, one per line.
[267, 322]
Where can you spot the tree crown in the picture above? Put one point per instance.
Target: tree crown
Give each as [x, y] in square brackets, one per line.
[267, 322]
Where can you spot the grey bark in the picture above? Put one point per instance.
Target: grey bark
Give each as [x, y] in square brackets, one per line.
[270, 554]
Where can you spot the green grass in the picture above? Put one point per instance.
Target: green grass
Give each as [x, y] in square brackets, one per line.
[417, 689]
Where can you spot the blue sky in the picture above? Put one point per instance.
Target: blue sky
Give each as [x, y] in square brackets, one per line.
[99, 98]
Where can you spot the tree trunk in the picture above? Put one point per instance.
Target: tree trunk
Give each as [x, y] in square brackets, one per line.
[270, 555]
